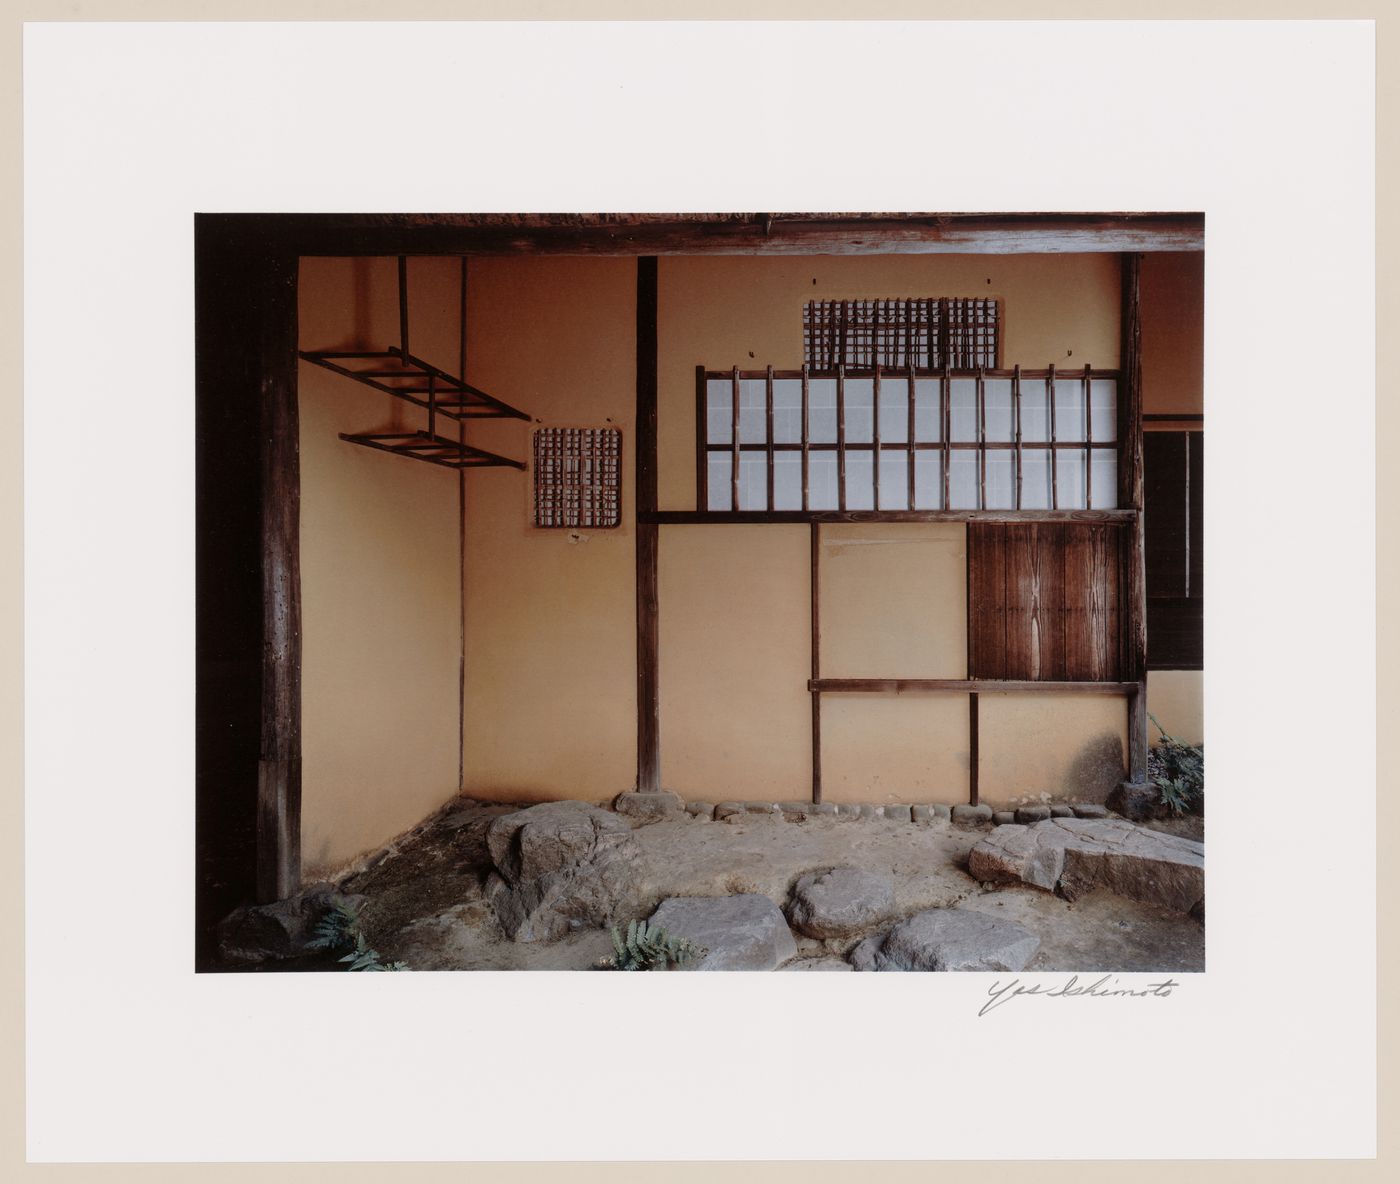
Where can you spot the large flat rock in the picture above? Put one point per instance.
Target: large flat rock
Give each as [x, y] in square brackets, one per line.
[1077, 855]
[948, 939]
[841, 902]
[560, 867]
[743, 932]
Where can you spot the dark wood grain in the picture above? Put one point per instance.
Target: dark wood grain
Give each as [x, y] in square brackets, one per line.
[648, 542]
[986, 686]
[279, 754]
[729, 234]
[816, 622]
[1131, 495]
[761, 517]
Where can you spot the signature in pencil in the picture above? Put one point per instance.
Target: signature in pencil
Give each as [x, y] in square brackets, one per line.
[1104, 987]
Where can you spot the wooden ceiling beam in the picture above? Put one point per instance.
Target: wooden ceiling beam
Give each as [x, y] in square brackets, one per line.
[712, 234]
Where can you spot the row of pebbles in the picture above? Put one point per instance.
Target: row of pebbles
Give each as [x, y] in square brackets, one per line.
[902, 813]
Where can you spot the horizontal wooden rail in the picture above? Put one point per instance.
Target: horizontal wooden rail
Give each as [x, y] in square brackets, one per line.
[737, 517]
[901, 374]
[989, 686]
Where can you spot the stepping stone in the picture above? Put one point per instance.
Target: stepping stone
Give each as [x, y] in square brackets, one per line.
[1077, 855]
[743, 932]
[840, 902]
[948, 939]
[1029, 814]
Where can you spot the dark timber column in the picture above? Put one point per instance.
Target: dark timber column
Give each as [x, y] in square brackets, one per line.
[279, 749]
[1130, 496]
[648, 717]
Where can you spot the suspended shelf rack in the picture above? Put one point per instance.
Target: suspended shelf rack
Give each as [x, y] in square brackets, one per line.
[396, 371]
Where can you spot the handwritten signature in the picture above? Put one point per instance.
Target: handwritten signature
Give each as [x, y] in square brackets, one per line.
[1000, 993]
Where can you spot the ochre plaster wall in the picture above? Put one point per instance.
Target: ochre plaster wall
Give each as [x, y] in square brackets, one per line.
[1176, 698]
[734, 600]
[379, 571]
[551, 617]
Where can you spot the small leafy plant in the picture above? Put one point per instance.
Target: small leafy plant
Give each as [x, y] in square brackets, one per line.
[649, 947]
[339, 929]
[1181, 773]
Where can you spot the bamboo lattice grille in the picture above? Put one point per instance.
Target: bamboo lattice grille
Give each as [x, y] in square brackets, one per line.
[578, 477]
[960, 332]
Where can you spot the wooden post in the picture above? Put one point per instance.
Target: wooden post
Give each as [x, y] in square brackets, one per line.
[816, 663]
[279, 748]
[648, 716]
[1130, 497]
[974, 759]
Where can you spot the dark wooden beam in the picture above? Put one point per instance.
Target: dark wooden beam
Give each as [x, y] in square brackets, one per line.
[755, 517]
[974, 751]
[965, 686]
[279, 751]
[1130, 496]
[648, 666]
[723, 234]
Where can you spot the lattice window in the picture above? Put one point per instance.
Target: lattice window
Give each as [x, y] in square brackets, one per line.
[929, 333]
[578, 477]
[916, 439]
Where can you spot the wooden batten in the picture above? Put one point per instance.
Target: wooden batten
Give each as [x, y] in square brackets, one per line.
[815, 578]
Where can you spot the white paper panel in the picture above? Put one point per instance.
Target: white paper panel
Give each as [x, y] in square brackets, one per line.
[860, 491]
[964, 404]
[1035, 418]
[996, 398]
[753, 479]
[1035, 479]
[753, 412]
[928, 481]
[787, 410]
[962, 473]
[821, 481]
[894, 409]
[1001, 480]
[787, 481]
[860, 395]
[1104, 396]
[1069, 409]
[718, 477]
[928, 423]
[821, 410]
[1070, 478]
[1105, 491]
[894, 480]
[719, 405]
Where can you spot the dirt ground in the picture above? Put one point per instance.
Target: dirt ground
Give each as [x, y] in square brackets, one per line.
[425, 903]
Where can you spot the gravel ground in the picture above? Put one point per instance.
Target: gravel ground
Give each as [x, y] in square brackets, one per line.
[426, 907]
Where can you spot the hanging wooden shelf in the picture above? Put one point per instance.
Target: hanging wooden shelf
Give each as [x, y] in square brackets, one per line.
[413, 380]
[436, 450]
[395, 371]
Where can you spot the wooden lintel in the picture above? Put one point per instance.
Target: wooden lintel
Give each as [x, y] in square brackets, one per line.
[723, 234]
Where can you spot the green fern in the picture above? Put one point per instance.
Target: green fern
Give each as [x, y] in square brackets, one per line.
[649, 947]
[338, 928]
[1182, 780]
